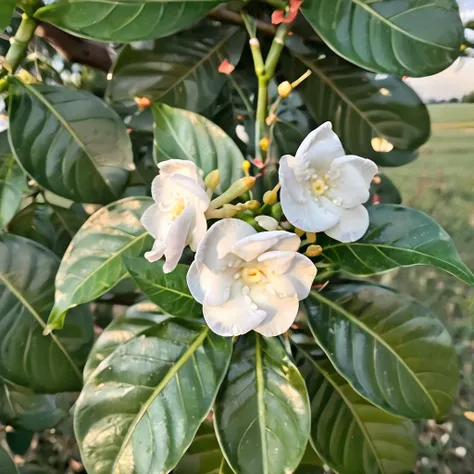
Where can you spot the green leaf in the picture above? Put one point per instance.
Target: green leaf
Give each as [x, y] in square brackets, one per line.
[383, 190]
[416, 38]
[143, 405]
[12, 182]
[6, 12]
[138, 318]
[204, 456]
[48, 364]
[350, 434]
[262, 411]
[184, 135]
[19, 440]
[369, 112]
[398, 236]
[391, 349]
[23, 408]
[92, 264]
[311, 462]
[7, 466]
[69, 141]
[124, 21]
[169, 291]
[181, 71]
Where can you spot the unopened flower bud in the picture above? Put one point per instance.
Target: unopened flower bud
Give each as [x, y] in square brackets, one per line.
[314, 251]
[213, 179]
[264, 143]
[142, 102]
[311, 237]
[277, 212]
[246, 167]
[240, 187]
[299, 232]
[270, 197]
[252, 205]
[284, 89]
[267, 222]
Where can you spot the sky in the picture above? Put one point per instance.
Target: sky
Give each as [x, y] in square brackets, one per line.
[455, 81]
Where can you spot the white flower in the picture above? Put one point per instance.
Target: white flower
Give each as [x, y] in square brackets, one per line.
[248, 280]
[267, 222]
[322, 189]
[177, 219]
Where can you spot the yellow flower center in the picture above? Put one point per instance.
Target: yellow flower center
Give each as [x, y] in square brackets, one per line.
[177, 209]
[318, 186]
[251, 275]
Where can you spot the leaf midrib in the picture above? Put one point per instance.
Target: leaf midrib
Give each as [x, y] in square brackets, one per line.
[339, 309]
[160, 387]
[262, 422]
[33, 312]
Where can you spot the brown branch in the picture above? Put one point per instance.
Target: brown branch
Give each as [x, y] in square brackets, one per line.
[75, 49]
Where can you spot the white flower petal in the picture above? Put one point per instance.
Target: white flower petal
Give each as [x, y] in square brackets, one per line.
[156, 252]
[297, 270]
[251, 247]
[185, 167]
[178, 237]
[207, 287]
[156, 222]
[309, 216]
[267, 222]
[281, 312]
[199, 231]
[321, 147]
[186, 186]
[353, 223]
[214, 251]
[288, 180]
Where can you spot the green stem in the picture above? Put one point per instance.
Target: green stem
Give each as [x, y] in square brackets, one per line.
[278, 4]
[19, 44]
[276, 49]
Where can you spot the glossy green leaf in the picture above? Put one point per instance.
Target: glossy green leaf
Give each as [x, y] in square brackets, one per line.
[45, 364]
[204, 456]
[22, 408]
[371, 113]
[184, 135]
[69, 141]
[7, 466]
[349, 433]
[19, 440]
[391, 349]
[6, 12]
[416, 38]
[138, 318]
[398, 236]
[169, 291]
[92, 264]
[142, 406]
[181, 71]
[12, 182]
[262, 412]
[311, 462]
[384, 191]
[124, 21]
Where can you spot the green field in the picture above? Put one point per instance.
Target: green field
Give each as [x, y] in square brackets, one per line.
[441, 183]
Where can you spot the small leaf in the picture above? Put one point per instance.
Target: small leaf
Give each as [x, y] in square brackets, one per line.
[417, 39]
[392, 350]
[92, 264]
[349, 433]
[69, 141]
[44, 364]
[169, 291]
[398, 236]
[371, 113]
[7, 466]
[6, 12]
[262, 411]
[184, 135]
[138, 318]
[12, 182]
[181, 71]
[204, 456]
[126, 419]
[126, 20]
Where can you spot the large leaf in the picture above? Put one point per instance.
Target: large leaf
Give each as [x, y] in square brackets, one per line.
[142, 406]
[348, 432]
[69, 141]
[124, 21]
[7, 466]
[392, 350]
[262, 412]
[169, 291]
[416, 38]
[398, 236]
[12, 182]
[44, 364]
[370, 112]
[6, 11]
[181, 71]
[93, 262]
[23, 408]
[140, 317]
[184, 135]
[204, 456]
